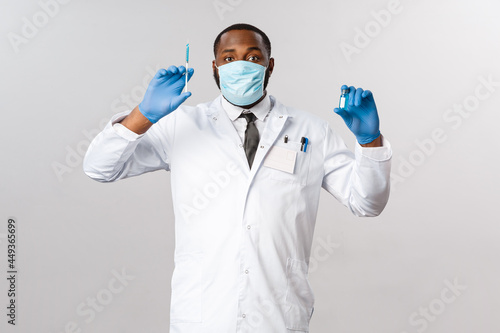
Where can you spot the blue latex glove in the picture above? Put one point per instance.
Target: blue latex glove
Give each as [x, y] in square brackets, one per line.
[164, 93]
[360, 115]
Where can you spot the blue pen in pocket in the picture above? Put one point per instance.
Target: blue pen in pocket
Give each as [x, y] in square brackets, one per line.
[304, 141]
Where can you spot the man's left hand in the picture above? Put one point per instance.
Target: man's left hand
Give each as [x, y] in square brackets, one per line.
[360, 115]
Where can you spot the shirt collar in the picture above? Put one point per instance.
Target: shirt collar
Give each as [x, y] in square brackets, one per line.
[260, 110]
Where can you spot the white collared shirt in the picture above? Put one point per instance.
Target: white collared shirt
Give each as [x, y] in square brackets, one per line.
[261, 110]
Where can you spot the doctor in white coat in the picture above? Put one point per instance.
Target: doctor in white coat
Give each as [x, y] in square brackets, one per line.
[245, 188]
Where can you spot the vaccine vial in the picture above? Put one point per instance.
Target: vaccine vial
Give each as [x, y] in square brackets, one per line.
[343, 98]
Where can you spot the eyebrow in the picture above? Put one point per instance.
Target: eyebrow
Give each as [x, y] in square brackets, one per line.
[248, 49]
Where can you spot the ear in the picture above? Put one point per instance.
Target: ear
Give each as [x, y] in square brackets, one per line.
[213, 65]
[271, 66]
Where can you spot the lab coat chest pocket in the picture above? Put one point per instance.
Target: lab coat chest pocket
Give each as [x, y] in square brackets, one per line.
[299, 299]
[187, 287]
[301, 169]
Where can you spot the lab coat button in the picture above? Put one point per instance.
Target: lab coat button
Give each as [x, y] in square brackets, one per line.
[241, 145]
[215, 118]
[244, 315]
[248, 226]
[261, 146]
[246, 271]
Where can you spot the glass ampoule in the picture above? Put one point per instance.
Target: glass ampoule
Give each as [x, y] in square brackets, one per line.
[344, 97]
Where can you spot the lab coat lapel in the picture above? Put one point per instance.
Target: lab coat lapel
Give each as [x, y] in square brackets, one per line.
[224, 127]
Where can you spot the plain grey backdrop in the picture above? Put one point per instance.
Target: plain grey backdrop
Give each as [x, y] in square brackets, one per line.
[98, 257]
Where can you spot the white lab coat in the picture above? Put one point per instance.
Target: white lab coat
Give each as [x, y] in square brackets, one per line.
[243, 236]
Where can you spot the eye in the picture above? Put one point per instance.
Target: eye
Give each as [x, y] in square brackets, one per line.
[253, 58]
[228, 59]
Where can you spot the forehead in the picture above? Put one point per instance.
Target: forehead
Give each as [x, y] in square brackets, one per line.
[235, 39]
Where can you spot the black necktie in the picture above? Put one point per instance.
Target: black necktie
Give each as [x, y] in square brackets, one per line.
[251, 137]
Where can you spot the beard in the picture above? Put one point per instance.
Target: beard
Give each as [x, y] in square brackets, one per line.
[266, 78]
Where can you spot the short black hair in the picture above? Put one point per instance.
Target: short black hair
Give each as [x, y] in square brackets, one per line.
[244, 26]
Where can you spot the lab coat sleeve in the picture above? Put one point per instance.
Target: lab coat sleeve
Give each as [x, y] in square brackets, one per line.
[360, 181]
[118, 153]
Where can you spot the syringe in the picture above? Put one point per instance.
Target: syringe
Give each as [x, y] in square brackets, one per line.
[187, 64]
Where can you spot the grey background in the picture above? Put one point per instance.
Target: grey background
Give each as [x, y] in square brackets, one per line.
[440, 225]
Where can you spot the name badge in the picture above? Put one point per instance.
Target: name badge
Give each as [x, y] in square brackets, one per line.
[281, 159]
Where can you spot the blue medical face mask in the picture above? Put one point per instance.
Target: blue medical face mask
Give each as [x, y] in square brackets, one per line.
[242, 82]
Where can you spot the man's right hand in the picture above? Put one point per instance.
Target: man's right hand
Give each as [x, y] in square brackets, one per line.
[164, 93]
